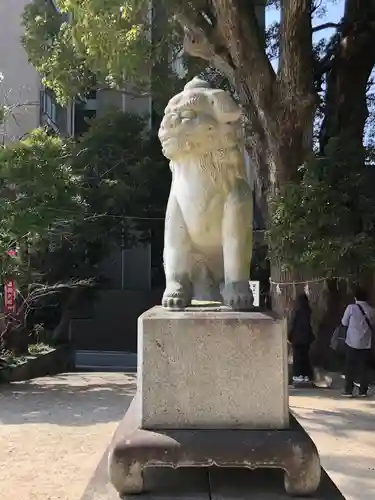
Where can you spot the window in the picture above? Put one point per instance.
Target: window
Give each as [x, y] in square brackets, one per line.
[49, 107]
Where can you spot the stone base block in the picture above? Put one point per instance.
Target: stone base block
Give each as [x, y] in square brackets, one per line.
[218, 369]
[290, 449]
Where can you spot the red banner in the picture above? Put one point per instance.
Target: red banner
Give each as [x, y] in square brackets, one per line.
[9, 296]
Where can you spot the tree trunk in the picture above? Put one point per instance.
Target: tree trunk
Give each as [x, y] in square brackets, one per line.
[345, 115]
[279, 109]
[353, 59]
[60, 333]
[285, 287]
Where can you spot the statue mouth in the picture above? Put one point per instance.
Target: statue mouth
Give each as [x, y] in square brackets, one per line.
[167, 140]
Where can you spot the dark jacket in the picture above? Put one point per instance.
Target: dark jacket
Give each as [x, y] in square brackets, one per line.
[300, 332]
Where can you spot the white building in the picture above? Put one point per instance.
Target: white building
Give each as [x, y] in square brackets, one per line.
[20, 88]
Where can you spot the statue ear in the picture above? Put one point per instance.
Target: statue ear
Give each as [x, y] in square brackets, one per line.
[225, 108]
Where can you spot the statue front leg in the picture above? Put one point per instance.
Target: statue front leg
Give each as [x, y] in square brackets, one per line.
[177, 258]
[237, 247]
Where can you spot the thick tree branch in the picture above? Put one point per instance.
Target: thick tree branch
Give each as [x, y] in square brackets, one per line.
[228, 36]
[197, 43]
[350, 67]
[325, 26]
[201, 37]
[206, 37]
[239, 28]
[296, 51]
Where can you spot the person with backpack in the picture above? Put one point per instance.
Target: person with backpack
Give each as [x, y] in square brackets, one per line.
[301, 337]
[358, 319]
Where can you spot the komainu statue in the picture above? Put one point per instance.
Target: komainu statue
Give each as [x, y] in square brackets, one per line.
[208, 227]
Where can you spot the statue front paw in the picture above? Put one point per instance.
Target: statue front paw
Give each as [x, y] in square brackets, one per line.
[238, 296]
[176, 296]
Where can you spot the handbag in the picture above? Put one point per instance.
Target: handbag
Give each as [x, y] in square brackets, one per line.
[338, 339]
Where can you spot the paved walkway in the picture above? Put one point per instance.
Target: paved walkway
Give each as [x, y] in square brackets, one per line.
[344, 432]
[54, 431]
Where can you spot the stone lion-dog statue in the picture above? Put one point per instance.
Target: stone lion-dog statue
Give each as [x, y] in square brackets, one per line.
[208, 225]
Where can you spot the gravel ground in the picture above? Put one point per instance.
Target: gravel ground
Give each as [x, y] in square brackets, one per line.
[54, 431]
[344, 432]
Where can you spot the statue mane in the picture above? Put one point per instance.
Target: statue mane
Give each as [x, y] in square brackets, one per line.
[202, 127]
[197, 83]
[222, 166]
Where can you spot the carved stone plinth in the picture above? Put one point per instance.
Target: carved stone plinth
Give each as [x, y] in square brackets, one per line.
[212, 391]
[212, 368]
[289, 449]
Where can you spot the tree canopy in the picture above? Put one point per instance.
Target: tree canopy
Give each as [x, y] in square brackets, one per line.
[49, 44]
[325, 225]
[111, 43]
[96, 43]
[66, 205]
[39, 193]
[124, 186]
[302, 93]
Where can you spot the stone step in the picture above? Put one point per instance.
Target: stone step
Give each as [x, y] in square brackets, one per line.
[237, 484]
[207, 484]
[201, 483]
[109, 361]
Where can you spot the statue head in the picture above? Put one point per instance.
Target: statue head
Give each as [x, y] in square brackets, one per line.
[199, 120]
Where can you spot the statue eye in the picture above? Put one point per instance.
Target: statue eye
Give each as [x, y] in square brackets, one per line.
[188, 114]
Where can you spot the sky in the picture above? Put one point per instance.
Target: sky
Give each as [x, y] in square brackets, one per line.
[334, 13]
[335, 10]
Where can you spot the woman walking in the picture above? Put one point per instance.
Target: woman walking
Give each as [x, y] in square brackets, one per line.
[301, 337]
[359, 319]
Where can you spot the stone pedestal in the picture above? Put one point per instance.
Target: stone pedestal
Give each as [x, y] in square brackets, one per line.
[212, 369]
[212, 390]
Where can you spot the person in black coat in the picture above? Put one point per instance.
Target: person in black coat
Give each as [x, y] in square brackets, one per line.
[301, 337]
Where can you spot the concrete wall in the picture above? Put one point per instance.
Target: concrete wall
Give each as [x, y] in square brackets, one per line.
[21, 84]
[127, 101]
[110, 323]
[129, 268]
[107, 99]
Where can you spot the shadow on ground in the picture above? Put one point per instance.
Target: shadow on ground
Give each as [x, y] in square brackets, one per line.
[355, 473]
[67, 400]
[339, 423]
[344, 431]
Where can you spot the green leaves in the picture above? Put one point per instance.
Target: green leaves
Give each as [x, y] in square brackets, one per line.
[119, 164]
[102, 43]
[66, 205]
[37, 191]
[122, 183]
[325, 225]
[108, 39]
[112, 37]
[49, 43]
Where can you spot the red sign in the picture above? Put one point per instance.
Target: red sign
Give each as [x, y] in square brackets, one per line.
[9, 297]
